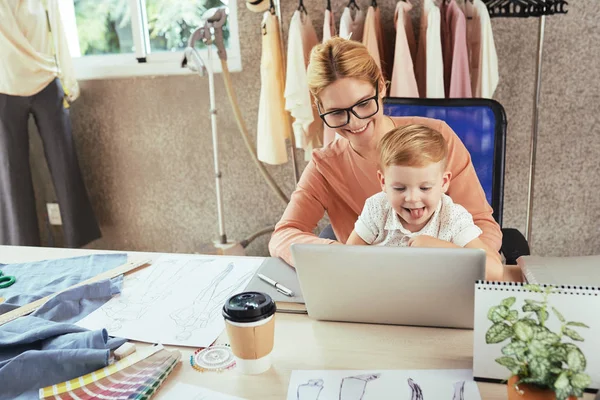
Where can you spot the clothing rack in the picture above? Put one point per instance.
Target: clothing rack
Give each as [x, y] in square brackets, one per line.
[524, 9]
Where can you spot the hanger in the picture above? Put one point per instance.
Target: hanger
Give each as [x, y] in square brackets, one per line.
[374, 3]
[328, 7]
[352, 4]
[272, 7]
[301, 7]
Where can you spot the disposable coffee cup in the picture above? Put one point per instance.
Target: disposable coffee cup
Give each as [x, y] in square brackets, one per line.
[250, 324]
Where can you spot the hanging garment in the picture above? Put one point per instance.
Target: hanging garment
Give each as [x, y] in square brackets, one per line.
[429, 68]
[328, 25]
[386, 60]
[457, 81]
[29, 85]
[18, 217]
[328, 32]
[352, 27]
[370, 36]
[307, 126]
[28, 47]
[482, 49]
[273, 121]
[404, 83]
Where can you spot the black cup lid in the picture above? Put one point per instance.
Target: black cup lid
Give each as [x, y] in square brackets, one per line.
[249, 307]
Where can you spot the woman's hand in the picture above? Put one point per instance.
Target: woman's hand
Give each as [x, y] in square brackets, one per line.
[429, 241]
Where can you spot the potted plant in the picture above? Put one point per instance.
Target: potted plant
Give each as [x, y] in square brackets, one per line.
[543, 364]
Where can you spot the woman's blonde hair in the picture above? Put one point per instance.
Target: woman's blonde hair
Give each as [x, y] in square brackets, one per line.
[339, 58]
[412, 146]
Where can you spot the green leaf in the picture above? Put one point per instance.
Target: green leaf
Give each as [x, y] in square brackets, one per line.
[545, 336]
[523, 331]
[575, 361]
[498, 332]
[513, 316]
[531, 307]
[498, 313]
[557, 355]
[569, 347]
[577, 392]
[563, 394]
[558, 315]
[508, 362]
[533, 288]
[562, 381]
[542, 316]
[539, 367]
[529, 301]
[516, 348]
[580, 381]
[556, 370]
[580, 324]
[573, 334]
[538, 349]
[509, 302]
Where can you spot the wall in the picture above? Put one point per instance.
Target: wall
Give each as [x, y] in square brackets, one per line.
[145, 148]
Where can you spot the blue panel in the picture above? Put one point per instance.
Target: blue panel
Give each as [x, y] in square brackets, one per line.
[475, 126]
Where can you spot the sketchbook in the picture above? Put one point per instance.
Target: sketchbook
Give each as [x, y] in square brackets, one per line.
[383, 384]
[576, 305]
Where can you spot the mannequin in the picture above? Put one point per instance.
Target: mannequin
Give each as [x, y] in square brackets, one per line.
[36, 77]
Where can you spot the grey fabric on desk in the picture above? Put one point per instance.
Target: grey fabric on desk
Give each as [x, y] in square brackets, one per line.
[45, 348]
[35, 280]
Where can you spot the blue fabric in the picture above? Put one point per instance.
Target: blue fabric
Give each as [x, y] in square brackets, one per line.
[42, 278]
[475, 126]
[45, 348]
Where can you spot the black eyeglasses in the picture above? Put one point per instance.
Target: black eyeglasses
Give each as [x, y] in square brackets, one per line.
[363, 109]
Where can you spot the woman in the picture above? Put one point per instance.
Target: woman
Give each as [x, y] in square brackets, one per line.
[348, 88]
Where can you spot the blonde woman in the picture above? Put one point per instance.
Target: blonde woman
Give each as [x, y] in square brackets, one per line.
[348, 88]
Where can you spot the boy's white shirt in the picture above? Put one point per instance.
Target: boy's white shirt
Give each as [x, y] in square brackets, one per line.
[378, 224]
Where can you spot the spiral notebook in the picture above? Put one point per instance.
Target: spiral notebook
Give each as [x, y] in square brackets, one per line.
[578, 304]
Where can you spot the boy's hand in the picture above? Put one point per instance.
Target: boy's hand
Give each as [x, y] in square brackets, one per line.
[429, 241]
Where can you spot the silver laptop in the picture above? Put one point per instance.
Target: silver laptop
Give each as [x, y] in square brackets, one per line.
[389, 285]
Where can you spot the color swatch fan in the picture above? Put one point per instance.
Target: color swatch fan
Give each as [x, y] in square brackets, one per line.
[134, 377]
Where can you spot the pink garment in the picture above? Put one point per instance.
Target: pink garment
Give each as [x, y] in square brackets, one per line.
[404, 83]
[457, 80]
[328, 32]
[370, 36]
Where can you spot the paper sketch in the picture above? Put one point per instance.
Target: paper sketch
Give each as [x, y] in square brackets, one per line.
[207, 303]
[459, 391]
[387, 384]
[310, 390]
[191, 392]
[353, 387]
[175, 301]
[416, 392]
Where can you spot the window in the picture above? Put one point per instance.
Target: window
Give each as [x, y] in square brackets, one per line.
[119, 38]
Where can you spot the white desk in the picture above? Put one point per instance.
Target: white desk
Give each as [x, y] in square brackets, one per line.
[302, 343]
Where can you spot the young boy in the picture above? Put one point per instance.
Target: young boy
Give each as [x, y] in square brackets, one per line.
[413, 209]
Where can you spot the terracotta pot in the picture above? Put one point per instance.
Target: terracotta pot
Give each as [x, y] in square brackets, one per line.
[529, 392]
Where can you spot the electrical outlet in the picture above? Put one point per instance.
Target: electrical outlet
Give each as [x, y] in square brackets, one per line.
[54, 214]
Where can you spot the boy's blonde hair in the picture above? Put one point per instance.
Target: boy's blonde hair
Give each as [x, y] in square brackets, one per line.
[339, 58]
[412, 146]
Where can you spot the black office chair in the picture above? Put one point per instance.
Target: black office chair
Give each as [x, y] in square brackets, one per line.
[481, 125]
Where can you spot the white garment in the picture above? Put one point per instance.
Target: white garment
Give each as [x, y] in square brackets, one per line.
[307, 127]
[488, 77]
[378, 224]
[434, 59]
[352, 28]
[27, 64]
[328, 25]
[273, 128]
